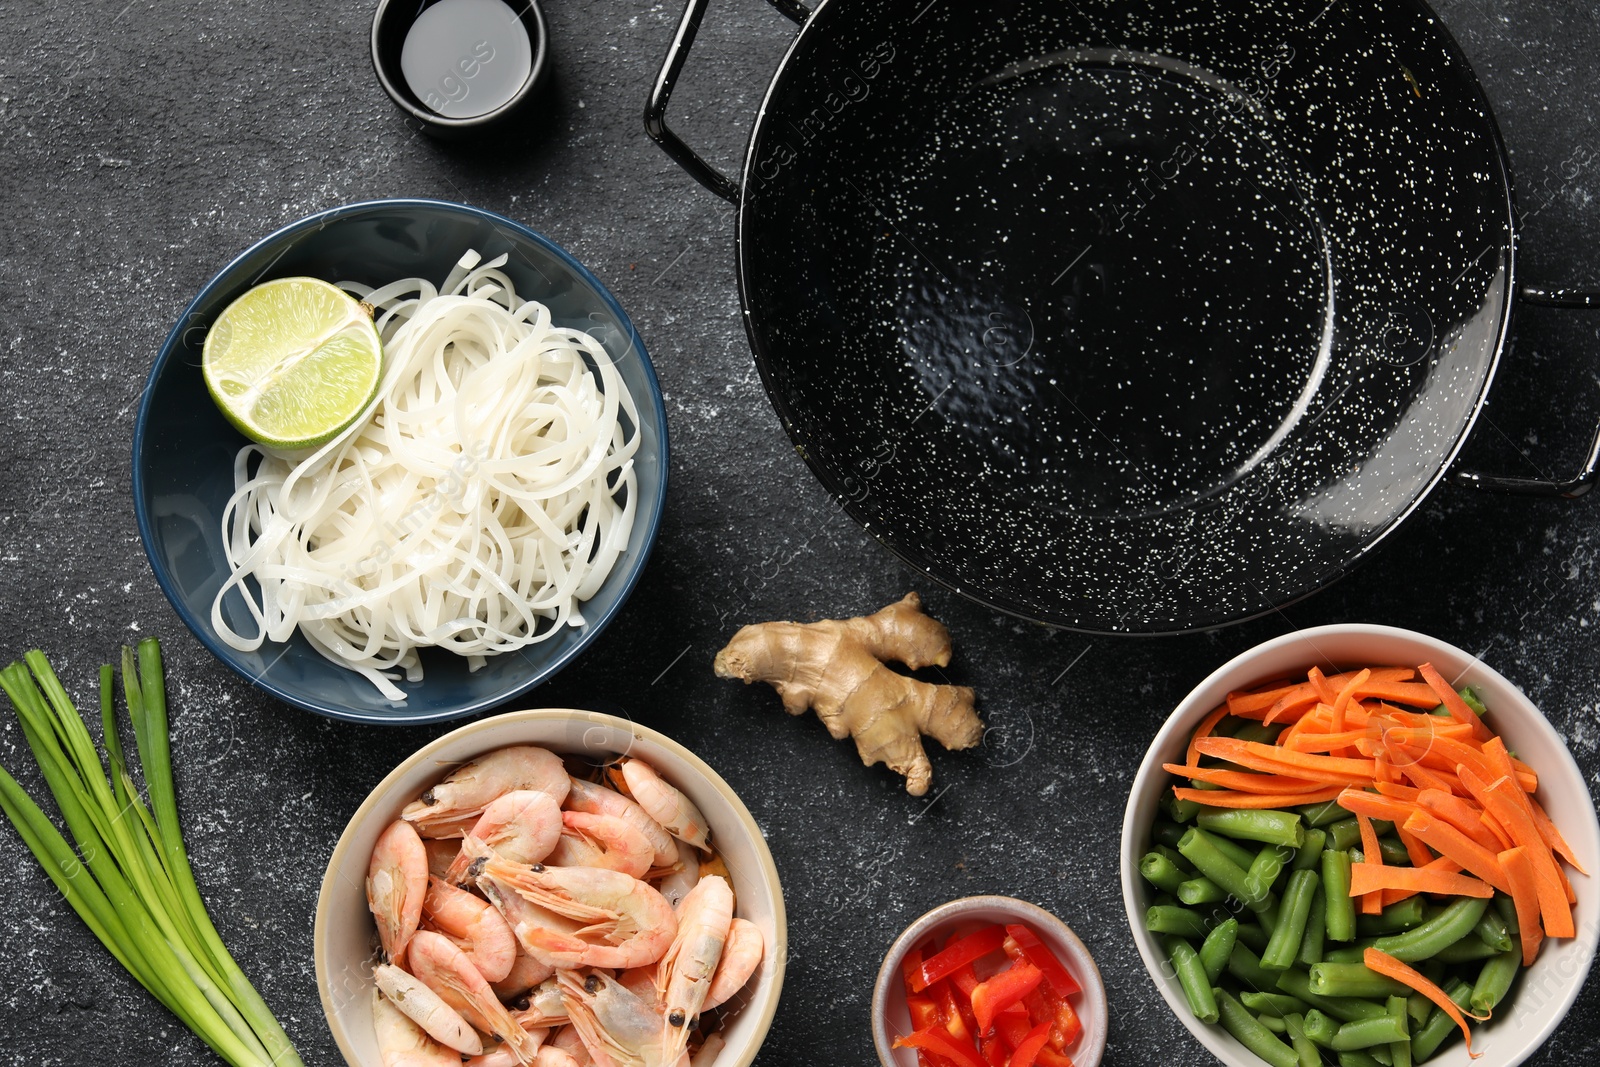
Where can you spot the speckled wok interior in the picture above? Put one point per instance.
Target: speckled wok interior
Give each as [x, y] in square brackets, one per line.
[1127, 318]
[344, 940]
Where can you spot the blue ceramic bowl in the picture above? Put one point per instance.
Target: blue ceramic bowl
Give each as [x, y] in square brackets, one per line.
[183, 448]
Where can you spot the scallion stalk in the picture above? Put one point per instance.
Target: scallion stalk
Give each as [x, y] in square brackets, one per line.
[129, 877]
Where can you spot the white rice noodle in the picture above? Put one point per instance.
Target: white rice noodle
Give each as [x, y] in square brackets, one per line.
[471, 508]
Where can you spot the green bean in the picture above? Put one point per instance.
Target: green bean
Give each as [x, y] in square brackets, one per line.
[1268, 915]
[1176, 857]
[1466, 950]
[1341, 917]
[1273, 1023]
[1508, 913]
[1182, 811]
[1210, 859]
[1248, 824]
[1358, 1058]
[1234, 851]
[1161, 872]
[1426, 1041]
[1491, 930]
[1352, 953]
[1344, 834]
[1170, 919]
[1238, 1021]
[1353, 980]
[1252, 935]
[1379, 1053]
[1494, 980]
[1245, 966]
[1364, 1033]
[1393, 919]
[1304, 1047]
[1381, 828]
[1345, 1009]
[1194, 891]
[1316, 928]
[1471, 700]
[1400, 1050]
[1279, 1004]
[1284, 946]
[1419, 1007]
[1324, 813]
[1217, 947]
[1310, 855]
[1394, 853]
[1166, 833]
[1320, 1028]
[1258, 732]
[1446, 928]
[1192, 977]
[1264, 870]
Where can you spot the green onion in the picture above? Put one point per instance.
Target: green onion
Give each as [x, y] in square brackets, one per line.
[129, 878]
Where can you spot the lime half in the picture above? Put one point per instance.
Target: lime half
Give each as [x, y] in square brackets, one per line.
[292, 362]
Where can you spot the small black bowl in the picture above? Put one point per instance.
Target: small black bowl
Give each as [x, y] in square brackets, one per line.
[392, 23]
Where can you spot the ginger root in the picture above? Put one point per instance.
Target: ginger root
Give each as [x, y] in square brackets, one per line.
[837, 667]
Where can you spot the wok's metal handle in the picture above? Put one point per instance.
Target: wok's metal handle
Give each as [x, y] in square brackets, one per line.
[655, 109]
[1571, 488]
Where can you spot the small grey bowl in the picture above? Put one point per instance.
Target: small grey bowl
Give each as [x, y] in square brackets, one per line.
[890, 1018]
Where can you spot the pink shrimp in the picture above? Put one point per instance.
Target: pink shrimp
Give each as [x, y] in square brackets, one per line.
[402, 1043]
[618, 1028]
[467, 790]
[523, 825]
[442, 852]
[598, 800]
[505, 1056]
[568, 1040]
[426, 1008]
[527, 972]
[589, 840]
[545, 1007]
[666, 805]
[475, 928]
[686, 970]
[708, 1051]
[676, 881]
[623, 922]
[397, 882]
[446, 970]
[741, 956]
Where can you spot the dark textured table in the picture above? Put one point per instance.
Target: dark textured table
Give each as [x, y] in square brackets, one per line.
[142, 146]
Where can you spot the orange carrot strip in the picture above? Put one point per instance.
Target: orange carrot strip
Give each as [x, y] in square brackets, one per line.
[1319, 682]
[1461, 814]
[1420, 856]
[1458, 709]
[1525, 895]
[1499, 799]
[1203, 731]
[1309, 742]
[1491, 824]
[1259, 757]
[1495, 750]
[1447, 753]
[1375, 806]
[1341, 703]
[1398, 791]
[1243, 781]
[1259, 701]
[1292, 706]
[1411, 694]
[1442, 865]
[1222, 798]
[1446, 840]
[1388, 966]
[1365, 878]
[1372, 901]
[1408, 760]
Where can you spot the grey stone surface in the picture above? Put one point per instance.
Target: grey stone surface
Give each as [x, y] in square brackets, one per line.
[142, 146]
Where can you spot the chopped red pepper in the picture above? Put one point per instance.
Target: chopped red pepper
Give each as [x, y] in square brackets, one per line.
[911, 966]
[1060, 979]
[1044, 1006]
[995, 1052]
[924, 1012]
[1027, 1051]
[957, 954]
[937, 1040]
[1013, 1026]
[965, 979]
[950, 1014]
[1004, 989]
[1049, 1057]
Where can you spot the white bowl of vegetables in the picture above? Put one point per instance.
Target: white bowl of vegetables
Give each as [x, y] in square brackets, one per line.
[1343, 830]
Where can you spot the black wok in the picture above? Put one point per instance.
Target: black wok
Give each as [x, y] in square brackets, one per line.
[1125, 317]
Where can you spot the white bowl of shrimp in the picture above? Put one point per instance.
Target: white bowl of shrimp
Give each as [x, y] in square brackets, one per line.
[554, 888]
